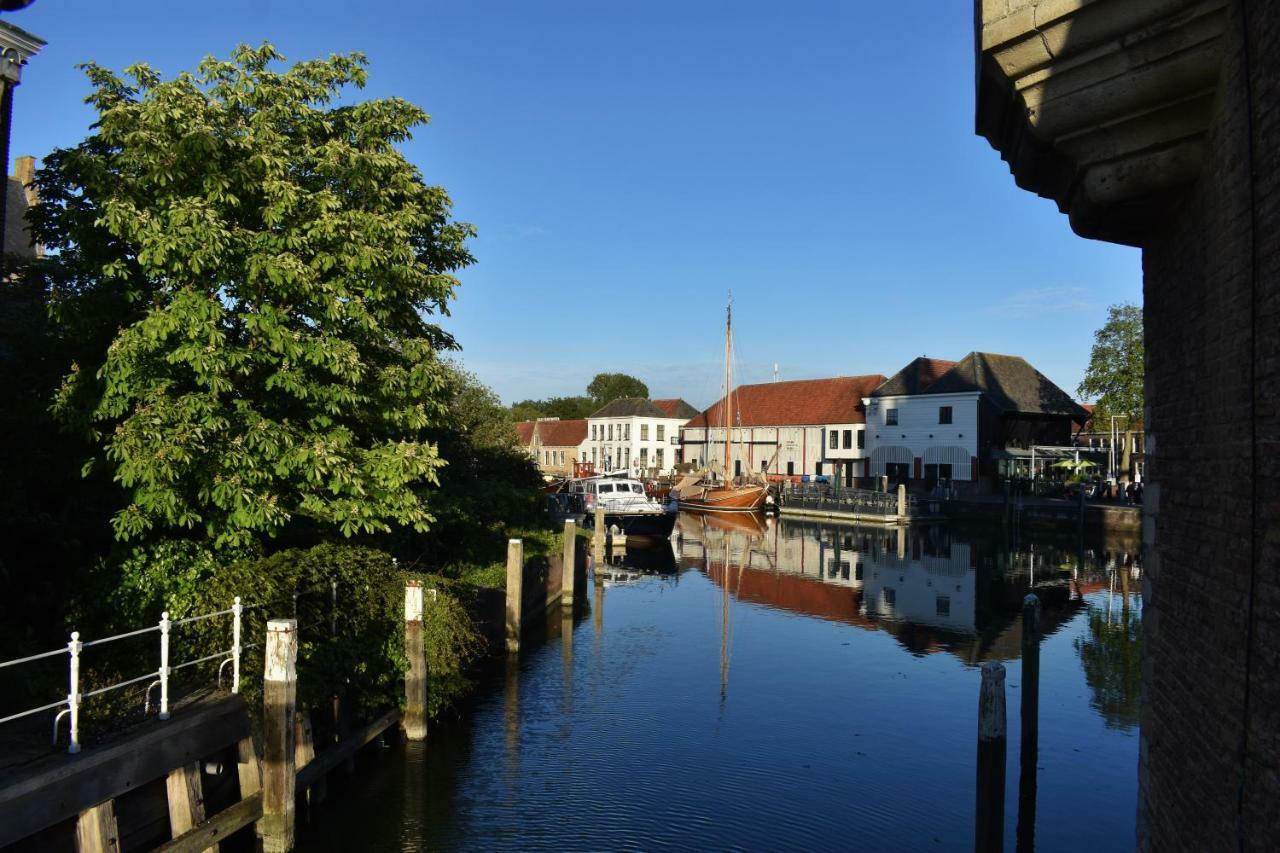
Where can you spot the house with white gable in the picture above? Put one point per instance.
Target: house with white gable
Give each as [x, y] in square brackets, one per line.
[635, 434]
[964, 423]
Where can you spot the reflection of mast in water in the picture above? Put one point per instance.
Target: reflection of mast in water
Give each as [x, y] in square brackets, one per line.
[724, 627]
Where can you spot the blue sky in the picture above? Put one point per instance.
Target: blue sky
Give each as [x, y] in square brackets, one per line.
[627, 163]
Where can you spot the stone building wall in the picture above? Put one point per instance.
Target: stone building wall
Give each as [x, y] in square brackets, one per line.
[1210, 736]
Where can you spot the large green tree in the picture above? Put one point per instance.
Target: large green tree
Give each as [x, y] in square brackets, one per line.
[1114, 378]
[268, 265]
[605, 387]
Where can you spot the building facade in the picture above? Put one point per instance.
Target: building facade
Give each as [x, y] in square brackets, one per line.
[636, 435]
[1153, 124]
[786, 430]
[554, 444]
[965, 424]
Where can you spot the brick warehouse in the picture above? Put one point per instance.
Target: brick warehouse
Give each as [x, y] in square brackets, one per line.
[1153, 123]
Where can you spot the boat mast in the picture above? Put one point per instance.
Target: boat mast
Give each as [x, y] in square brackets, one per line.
[728, 382]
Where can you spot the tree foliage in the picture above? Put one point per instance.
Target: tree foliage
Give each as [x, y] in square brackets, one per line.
[268, 264]
[603, 388]
[606, 387]
[564, 408]
[1115, 374]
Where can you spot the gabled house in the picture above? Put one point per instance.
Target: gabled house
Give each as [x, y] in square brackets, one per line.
[787, 429]
[966, 422]
[636, 434]
[554, 444]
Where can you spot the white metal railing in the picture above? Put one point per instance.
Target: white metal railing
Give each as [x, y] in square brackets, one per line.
[70, 706]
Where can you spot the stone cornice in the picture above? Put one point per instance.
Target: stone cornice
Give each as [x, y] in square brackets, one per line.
[16, 47]
[1100, 105]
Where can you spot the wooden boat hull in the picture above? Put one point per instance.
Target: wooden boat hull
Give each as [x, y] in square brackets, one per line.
[725, 499]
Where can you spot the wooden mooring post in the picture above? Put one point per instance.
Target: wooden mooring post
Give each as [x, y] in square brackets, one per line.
[903, 505]
[279, 699]
[515, 593]
[989, 815]
[568, 571]
[597, 540]
[1029, 750]
[415, 680]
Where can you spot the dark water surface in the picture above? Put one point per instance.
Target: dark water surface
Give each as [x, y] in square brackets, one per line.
[834, 709]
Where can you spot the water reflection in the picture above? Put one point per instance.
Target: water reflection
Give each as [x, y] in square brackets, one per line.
[1112, 652]
[849, 653]
[933, 588]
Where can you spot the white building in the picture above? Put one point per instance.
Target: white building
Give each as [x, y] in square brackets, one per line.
[787, 429]
[958, 421]
[642, 436]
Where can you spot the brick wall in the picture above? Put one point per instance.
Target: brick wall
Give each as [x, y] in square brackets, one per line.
[1210, 736]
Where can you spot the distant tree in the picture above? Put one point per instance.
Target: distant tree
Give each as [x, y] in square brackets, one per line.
[268, 265]
[1114, 378]
[606, 387]
[564, 408]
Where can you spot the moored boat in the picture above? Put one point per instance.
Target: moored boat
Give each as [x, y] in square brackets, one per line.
[709, 493]
[627, 508]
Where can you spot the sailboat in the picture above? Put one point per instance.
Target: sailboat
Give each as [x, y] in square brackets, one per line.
[706, 492]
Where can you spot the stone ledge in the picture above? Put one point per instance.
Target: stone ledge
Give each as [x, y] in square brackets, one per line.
[1100, 105]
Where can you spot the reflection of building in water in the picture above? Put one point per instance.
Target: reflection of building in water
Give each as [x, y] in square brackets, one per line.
[931, 587]
[932, 583]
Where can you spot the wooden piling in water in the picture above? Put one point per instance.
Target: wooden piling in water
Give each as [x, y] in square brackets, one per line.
[279, 698]
[1029, 749]
[567, 573]
[597, 539]
[515, 592]
[989, 815]
[415, 680]
[902, 501]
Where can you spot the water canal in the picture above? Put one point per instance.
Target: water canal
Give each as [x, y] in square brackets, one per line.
[815, 690]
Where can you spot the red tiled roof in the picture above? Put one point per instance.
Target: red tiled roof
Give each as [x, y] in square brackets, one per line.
[676, 408]
[525, 430]
[805, 401]
[562, 433]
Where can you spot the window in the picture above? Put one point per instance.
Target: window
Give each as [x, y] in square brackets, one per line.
[764, 464]
[889, 597]
[944, 606]
[546, 457]
[627, 427]
[662, 430]
[611, 432]
[644, 432]
[890, 417]
[944, 414]
[862, 439]
[737, 467]
[644, 455]
[857, 571]
[791, 469]
[848, 439]
[605, 487]
[835, 439]
[593, 456]
[658, 458]
[817, 468]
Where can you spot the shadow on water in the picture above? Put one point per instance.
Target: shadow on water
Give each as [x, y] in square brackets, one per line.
[803, 684]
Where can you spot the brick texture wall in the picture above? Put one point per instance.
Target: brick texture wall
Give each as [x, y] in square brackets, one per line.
[1210, 738]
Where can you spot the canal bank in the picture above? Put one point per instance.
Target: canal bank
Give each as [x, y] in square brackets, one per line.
[812, 690]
